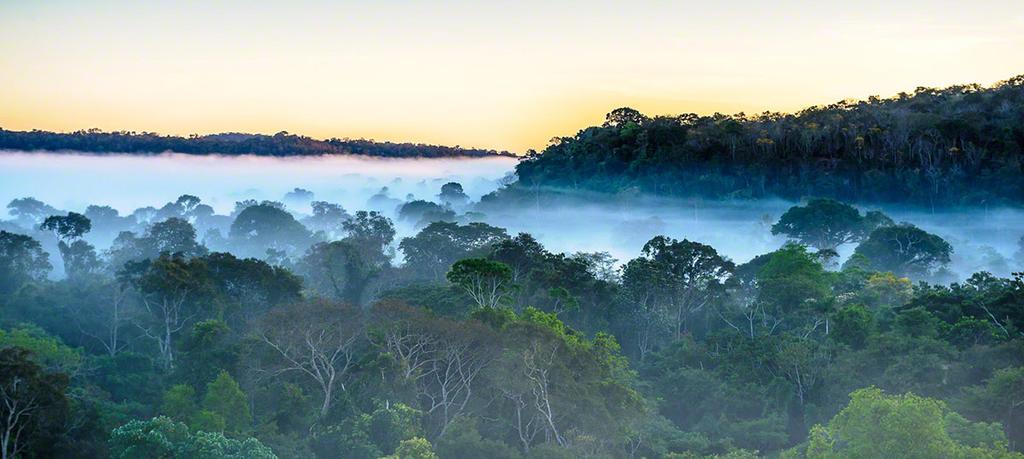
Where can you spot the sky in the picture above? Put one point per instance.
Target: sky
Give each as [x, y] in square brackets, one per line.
[503, 75]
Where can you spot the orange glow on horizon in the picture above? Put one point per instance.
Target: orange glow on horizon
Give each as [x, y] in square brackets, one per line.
[490, 76]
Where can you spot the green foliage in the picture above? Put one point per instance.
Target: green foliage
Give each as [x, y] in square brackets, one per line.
[67, 228]
[22, 260]
[423, 213]
[173, 236]
[338, 270]
[826, 224]
[33, 405]
[999, 399]
[225, 398]
[878, 425]
[160, 437]
[276, 145]
[371, 233]
[371, 435]
[852, 325]
[463, 440]
[205, 351]
[413, 448]
[905, 250]
[496, 318]
[437, 247]
[487, 282]
[792, 280]
[180, 403]
[518, 355]
[48, 351]
[261, 227]
[851, 150]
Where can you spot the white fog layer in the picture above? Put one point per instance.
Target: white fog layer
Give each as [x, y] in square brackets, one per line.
[983, 239]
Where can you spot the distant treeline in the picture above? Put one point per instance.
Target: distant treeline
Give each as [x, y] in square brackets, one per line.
[280, 144]
[961, 145]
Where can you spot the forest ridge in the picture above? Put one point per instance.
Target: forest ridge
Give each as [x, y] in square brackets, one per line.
[960, 145]
[232, 143]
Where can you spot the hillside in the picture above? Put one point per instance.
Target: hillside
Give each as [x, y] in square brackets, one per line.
[953, 146]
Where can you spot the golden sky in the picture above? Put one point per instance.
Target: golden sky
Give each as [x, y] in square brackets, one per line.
[505, 75]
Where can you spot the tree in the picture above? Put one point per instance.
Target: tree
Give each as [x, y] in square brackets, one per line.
[171, 289]
[22, 260]
[161, 437]
[46, 350]
[694, 276]
[179, 403]
[69, 227]
[79, 256]
[173, 236]
[487, 282]
[452, 194]
[852, 326]
[802, 363]
[316, 340]
[225, 398]
[188, 203]
[441, 359]
[874, 424]
[464, 441]
[645, 292]
[338, 270]
[557, 387]
[33, 407]
[422, 213]
[265, 226]
[248, 287]
[825, 224]
[793, 286]
[435, 248]
[414, 448]
[622, 116]
[904, 249]
[327, 217]
[372, 435]
[1001, 397]
[372, 233]
[29, 212]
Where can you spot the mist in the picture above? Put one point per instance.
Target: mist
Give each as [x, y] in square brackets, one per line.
[984, 239]
[126, 182]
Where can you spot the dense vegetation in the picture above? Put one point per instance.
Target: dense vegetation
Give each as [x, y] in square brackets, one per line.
[278, 334]
[280, 144]
[961, 145]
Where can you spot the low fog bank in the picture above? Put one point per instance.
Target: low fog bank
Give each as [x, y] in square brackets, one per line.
[137, 186]
[983, 239]
[127, 182]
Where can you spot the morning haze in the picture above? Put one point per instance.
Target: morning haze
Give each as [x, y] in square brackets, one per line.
[519, 230]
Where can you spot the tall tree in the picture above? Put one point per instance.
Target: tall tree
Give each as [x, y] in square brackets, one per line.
[372, 233]
[318, 341]
[487, 282]
[905, 249]
[694, 276]
[172, 290]
[174, 236]
[338, 270]
[265, 226]
[79, 256]
[435, 248]
[33, 407]
[22, 259]
[825, 224]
